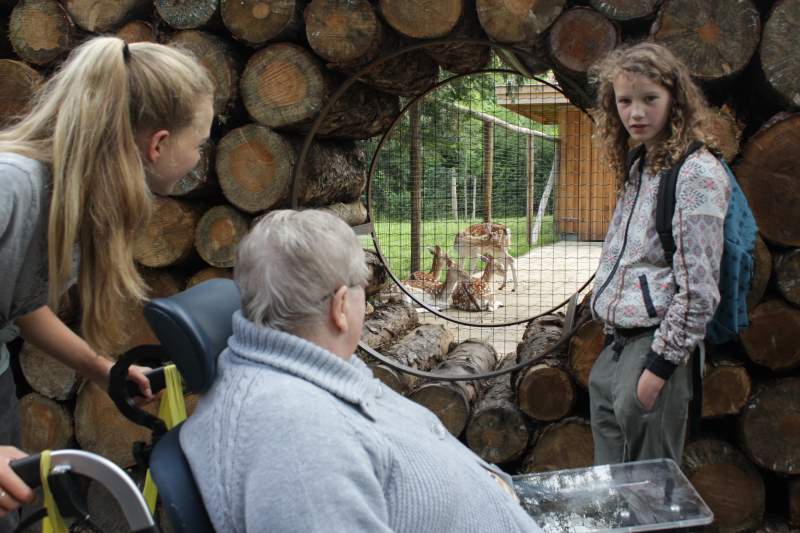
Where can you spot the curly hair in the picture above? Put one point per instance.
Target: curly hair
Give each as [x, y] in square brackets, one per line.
[689, 114]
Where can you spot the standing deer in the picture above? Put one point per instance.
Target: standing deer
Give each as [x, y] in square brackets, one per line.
[435, 293]
[486, 239]
[477, 294]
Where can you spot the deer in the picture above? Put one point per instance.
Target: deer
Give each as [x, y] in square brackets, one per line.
[486, 239]
[434, 293]
[477, 294]
[436, 266]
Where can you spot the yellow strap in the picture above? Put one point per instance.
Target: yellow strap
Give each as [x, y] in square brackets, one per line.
[53, 522]
[172, 411]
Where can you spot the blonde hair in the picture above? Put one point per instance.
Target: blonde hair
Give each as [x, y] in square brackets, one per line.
[689, 114]
[82, 124]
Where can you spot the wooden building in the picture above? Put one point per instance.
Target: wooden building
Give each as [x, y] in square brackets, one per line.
[584, 190]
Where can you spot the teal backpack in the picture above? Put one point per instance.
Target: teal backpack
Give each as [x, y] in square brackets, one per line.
[736, 268]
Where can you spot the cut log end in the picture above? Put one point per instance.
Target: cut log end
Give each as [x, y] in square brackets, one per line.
[422, 19]
[779, 42]
[770, 339]
[40, 31]
[498, 434]
[255, 22]
[580, 37]
[45, 424]
[18, 83]
[445, 401]
[562, 445]
[219, 232]
[168, 238]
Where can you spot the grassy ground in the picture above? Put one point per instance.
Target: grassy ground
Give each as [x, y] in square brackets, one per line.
[395, 239]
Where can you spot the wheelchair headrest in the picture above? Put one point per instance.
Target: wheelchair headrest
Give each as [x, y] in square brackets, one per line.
[193, 327]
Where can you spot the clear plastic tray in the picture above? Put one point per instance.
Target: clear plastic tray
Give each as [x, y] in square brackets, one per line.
[639, 496]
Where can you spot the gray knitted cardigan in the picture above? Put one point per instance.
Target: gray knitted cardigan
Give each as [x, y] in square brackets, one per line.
[292, 438]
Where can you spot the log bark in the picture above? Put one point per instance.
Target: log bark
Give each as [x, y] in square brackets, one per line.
[101, 428]
[584, 349]
[218, 234]
[580, 37]
[104, 15]
[388, 322]
[728, 482]
[285, 86]
[794, 502]
[422, 19]
[762, 271]
[772, 188]
[544, 390]
[201, 182]
[498, 431]
[625, 10]
[778, 53]
[256, 22]
[423, 349]
[561, 445]
[208, 273]
[463, 58]
[770, 426]
[770, 339]
[713, 40]
[221, 60]
[452, 401]
[47, 375]
[168, 239]
[350, 35]
[726, 388]
[353, 213]
[45, 424]
[377, 273]
[517, 22]
[183, 15]
[18, 82]
[161, 283]
[787, 275]
[334, 171]
[40, 31]
[137, 31]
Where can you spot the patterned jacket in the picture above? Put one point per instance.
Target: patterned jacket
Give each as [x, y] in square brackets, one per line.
[635, 287]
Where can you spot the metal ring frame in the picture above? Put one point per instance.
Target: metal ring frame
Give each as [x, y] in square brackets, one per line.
[508, 52]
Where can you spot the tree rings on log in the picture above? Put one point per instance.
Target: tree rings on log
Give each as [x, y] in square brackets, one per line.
[183, 15]
[103, 15]
[771, 338]
[521, 21]
[18, 83]
[45, 424]
[255, 22]
[561, 445]
[584, 349]
[47, 375]
[168, 238]
[344, 32]
[219, 232]
[580, 37]
[137, 31]
[40, 31]
[726, 389]
[422, 19]
[780, 43]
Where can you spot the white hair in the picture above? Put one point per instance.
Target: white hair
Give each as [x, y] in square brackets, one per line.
[291, 263]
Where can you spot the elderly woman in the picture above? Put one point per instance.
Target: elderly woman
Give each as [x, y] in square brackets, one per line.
[297, 435]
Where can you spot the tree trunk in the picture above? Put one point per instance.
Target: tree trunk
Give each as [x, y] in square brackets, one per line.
[778, 53]
[285, 86]
[787, 275]
[452, 401]
[625, 10]
[18, 82]
[544, 390]
[387, 322]
[726, 388]
[580, 37]
[561, 445]
[353, 213]
[45, 424]
[255, 22]
[100, 16]
[770, 426]
[161, 283]
[101, 428]
[377, 278]
[168, 239]
[517, 22]
[713, 39]
[728, 482]
[222, 62]
[208, 273]
[772, 188]
[770, 339]
[584, 349]
[423, 348]
[183, 15]
[47, 375]
[463, 58]
[498, 431]
[137, 31]
[40, 31]
[422, 19]
[218, 234]
[762, 271]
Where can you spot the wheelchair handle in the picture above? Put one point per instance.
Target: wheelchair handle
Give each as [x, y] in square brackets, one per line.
[27, 469]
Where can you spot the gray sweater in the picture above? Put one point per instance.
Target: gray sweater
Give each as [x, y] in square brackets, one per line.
[292, 438]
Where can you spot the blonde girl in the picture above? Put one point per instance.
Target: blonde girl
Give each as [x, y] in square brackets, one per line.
[114, 125]
[655, 315]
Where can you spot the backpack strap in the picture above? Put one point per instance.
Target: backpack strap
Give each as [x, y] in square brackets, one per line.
[665, 203]
[633, 155]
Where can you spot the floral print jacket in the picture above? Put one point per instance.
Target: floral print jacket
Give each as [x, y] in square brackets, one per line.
[635, 287]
